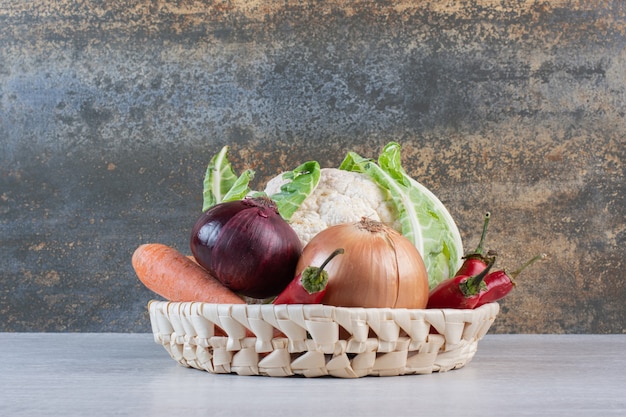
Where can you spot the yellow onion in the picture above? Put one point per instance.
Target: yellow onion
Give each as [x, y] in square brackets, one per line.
[379, 268]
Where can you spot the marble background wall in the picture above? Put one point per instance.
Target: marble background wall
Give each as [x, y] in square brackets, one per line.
[110, 111]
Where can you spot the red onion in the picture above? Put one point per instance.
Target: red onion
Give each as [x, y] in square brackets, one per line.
[247, 246]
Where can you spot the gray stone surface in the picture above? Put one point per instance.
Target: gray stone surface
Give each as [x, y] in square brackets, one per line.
[109, 112]
[74, 375]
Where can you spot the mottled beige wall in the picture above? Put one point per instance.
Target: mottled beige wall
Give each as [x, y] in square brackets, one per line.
[109, 112]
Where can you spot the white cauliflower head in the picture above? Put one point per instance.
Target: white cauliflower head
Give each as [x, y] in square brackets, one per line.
[340, 197]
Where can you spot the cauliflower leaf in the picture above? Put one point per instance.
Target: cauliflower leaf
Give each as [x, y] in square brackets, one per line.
[300, 183]
[221, 184]
[425, 220]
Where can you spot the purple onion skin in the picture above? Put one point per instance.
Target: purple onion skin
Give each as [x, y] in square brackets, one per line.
[247, 246]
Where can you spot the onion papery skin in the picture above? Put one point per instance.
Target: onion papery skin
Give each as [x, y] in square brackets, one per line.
[247, 246]
[380, 268]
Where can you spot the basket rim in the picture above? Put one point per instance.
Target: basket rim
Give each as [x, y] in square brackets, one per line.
[317, 305]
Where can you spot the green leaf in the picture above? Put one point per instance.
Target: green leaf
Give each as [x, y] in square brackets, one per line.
[303, 181]
[221, 184]
[240, 188]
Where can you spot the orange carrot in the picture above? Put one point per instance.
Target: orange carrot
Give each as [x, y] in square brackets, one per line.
[172, 275]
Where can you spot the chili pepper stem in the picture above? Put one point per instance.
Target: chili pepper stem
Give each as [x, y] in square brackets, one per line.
[526, 264]
[472, 285]
[479, 249]
[313, 278]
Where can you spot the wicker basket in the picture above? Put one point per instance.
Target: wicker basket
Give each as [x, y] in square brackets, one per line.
[318, 340]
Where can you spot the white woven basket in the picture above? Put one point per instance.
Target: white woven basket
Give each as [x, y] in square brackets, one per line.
[318, 340]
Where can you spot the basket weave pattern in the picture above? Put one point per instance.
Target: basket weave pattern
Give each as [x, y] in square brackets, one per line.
[318, 340]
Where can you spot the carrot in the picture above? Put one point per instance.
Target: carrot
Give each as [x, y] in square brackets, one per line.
[172, 275]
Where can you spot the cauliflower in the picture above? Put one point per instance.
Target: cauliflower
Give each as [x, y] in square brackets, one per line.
[380, 191]
[340, 197]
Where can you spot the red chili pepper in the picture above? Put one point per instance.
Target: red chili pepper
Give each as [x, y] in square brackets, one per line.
[499, 283]
[461, 291]
[475, 262]
[307, 287]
